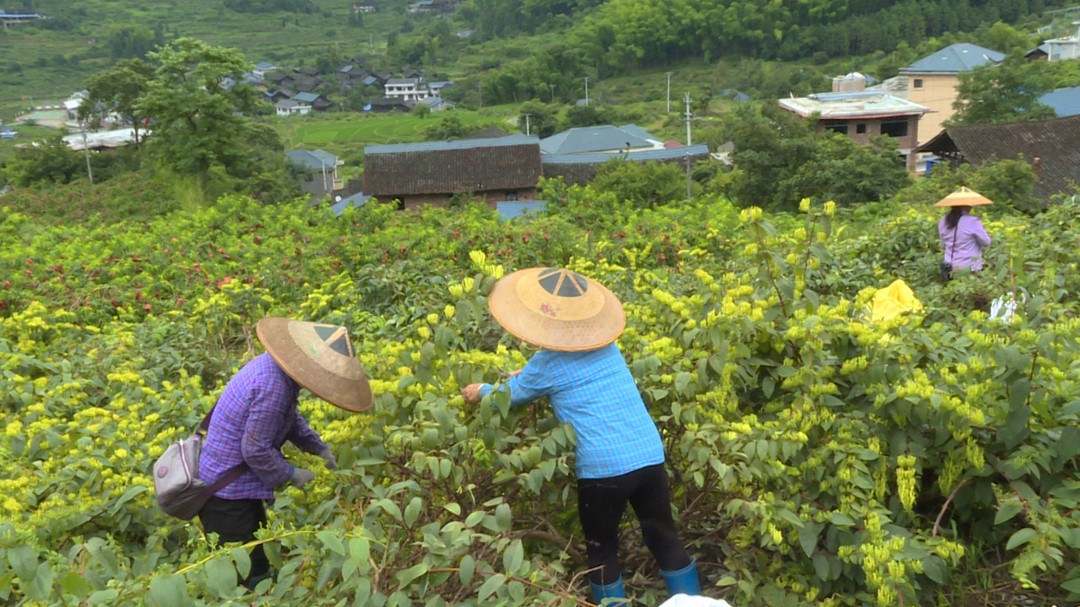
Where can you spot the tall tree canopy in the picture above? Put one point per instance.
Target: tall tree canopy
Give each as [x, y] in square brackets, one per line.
[117, 91]
[198, 124]
[1010, 90]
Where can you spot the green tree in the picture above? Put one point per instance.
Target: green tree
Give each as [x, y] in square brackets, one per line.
[421, 111]
[645, 185]
[1006, 92]
[50, 161]
[780, 158]
[117, 91]
[132, 40]
[541, 117]
[197, 123]
[1004, 37]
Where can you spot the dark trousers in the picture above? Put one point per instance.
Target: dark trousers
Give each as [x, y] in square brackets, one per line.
[236, 521]
[601, 504]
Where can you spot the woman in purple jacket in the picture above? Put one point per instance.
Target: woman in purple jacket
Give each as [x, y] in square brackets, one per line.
[963, 236]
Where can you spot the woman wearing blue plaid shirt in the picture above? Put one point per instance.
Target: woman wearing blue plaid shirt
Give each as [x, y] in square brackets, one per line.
[619, 455]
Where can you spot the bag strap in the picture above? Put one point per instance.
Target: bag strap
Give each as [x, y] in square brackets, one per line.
[204, 425]
[227, 479]
[231, 474]
[952, 253]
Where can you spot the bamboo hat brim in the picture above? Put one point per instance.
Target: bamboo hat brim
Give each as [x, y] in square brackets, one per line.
[557, 309]
[964, 198]
[320, 358]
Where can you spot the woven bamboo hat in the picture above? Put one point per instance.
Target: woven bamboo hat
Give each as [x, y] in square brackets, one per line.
[964, 198]
[557, 309]
[320, 358]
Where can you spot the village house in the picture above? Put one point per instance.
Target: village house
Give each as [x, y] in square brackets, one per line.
[411, 175]
[317, 102]
[406, 89]
[1049, 146]
[263, 68]
[292, 107]
[932, 80]
[864, 114]
[605, 138]
[323, 166]
[580, 169]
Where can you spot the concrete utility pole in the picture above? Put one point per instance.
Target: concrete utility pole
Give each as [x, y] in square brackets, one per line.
[322, 161]
[668, 74]
[552, 86]
[686, 98]
[481, 84]
[527, 124]
[688, 177]
[586, 91]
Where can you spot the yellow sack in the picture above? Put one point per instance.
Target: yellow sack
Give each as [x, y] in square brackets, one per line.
[893, 300]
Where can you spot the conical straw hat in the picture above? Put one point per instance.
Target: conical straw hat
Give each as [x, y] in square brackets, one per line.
[557, 309]
[320, 358]
[964, 198]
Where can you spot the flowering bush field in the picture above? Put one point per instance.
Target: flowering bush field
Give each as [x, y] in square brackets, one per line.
[817, 458]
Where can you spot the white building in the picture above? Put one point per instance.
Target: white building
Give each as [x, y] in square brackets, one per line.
[292, 107]
[406, 89]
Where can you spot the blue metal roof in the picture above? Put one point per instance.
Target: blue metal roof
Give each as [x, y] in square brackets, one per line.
[592, 139]
[960, 57]
[457, 144]
[642, 156]
[357, 200]
[306, 97]
[1066, 102]
[637, 131]
[508, 210]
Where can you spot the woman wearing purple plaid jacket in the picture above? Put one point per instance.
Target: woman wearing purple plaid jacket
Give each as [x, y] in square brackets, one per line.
[258, 412]
[619, 457]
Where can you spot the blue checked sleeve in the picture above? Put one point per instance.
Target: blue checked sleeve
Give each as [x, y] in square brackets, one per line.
[303, 436]
[264, 425]
[532, 383]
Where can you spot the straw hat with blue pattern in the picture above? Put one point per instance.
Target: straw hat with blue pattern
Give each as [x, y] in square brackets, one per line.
[319, 357]
[557, 309]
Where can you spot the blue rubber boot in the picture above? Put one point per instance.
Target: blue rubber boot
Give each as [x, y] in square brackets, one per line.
[613, 590]
[684, 581]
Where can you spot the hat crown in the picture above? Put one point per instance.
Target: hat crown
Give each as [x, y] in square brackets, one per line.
[563, 283]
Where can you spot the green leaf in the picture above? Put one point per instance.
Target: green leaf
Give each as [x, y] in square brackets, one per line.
[513, 557]
[41, 588]
[1068, 446]
[453, 508]
[1020, 538]
[412, 511]
[1007, 511]
[727, 580]
[75, 585]
[841, 520]
[808, 536]
[474, 518]
[242, 560]
[331, 541]
[503, 517]
[359, 549]
[170, 591]
[1016, 427]
[466, 569]
[490, 586]
[221, 577]
[1018, 393]
[682, 380]
[821, 566]
[23, 560]
[406, 577]
[935, 569]
[1072, 585]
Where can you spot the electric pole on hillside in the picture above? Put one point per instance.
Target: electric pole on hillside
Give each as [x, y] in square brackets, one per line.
[668, 74]
[686, 98]
[586, 91]
[687, 176]
[552, 86]
[527, 124]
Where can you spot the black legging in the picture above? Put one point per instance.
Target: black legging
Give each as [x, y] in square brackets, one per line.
[237, 521]
[601, 504]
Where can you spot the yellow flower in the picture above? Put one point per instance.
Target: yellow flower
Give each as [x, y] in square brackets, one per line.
[121, 453]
